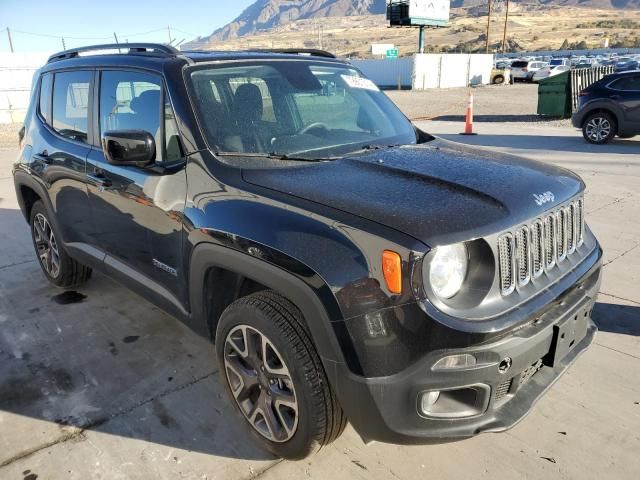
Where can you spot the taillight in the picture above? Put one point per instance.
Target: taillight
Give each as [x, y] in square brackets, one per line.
[525, 69]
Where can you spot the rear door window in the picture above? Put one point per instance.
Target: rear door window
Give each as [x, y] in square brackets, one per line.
[629, 84]
[519, 64]
[70, 113]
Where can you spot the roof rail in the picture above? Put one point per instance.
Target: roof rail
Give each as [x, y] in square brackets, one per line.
[151, 48]
[300, 51]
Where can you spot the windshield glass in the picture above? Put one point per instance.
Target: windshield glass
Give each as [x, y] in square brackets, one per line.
[294, 108]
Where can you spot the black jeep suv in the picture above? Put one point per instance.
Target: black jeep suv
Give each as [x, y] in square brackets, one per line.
[346, 264]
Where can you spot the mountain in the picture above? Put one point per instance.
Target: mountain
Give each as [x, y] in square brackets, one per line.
[264, 15]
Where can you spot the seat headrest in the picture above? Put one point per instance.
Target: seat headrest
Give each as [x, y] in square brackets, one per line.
[247, 103]
[147, 101]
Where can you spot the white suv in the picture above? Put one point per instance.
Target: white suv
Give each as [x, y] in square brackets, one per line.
[524, 69]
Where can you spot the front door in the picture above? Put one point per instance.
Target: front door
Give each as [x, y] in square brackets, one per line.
[137, 212]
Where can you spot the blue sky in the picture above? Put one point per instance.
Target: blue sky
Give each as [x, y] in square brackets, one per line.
[85, 22]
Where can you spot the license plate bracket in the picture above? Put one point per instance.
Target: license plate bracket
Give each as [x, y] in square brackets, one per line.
[566, 335]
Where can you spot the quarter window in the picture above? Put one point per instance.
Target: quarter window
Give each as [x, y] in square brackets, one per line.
[45, 98]
[71, 104]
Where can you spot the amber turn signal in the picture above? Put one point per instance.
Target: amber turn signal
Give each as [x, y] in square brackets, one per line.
[392, 271]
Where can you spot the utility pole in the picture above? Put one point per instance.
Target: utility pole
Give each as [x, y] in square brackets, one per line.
[486, 48]
[10, 41]
[504, 35]
[64, 47]
[169, 32]
[116, 37]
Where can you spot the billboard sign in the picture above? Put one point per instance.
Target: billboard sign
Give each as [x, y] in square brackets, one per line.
[381, 48]
[429, 12]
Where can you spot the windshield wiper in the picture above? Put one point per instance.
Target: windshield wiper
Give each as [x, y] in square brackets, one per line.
[272, 156]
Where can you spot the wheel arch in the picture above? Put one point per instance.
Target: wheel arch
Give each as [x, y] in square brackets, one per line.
[243, 274]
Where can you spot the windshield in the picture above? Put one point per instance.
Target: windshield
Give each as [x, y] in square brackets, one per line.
[295, 108]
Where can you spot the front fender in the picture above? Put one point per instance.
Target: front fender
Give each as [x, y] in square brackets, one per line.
[298, 283]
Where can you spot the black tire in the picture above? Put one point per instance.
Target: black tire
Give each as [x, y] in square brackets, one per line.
[498, 80]
[599, 128]
[320, 419]
[69, 272]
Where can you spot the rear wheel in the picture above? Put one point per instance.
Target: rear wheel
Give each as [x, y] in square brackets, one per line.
[274, 376]
[498, 80]
[59, 268]
[599, 128]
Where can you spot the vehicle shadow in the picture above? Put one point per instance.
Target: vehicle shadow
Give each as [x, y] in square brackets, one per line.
[101, 358]
[614, 318]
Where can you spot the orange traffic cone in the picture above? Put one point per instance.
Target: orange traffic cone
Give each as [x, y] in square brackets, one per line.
[468, 123]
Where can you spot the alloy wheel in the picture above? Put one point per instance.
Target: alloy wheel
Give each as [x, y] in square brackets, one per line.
[46, 245]
[261, 383]
[598, 129]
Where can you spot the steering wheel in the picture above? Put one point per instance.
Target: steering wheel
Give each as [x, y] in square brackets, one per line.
[313, 126]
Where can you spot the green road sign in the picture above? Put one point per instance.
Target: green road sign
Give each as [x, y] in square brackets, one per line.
[393, 53]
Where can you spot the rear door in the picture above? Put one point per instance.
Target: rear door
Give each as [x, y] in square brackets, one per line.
[137, 212]
[61, 147]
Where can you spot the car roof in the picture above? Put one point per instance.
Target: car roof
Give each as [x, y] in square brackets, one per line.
[157, 56]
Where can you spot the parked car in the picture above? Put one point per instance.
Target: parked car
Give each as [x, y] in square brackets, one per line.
[558, 61]
[524, 69]
[500, 76]
[610, 107]
[347, 265]
[550, 71]
[627, 66]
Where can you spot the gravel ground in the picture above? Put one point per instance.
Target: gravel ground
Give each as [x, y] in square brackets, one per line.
[9, 135]
[492, 103]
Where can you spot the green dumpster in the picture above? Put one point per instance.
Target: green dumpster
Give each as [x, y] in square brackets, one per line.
[554, 96]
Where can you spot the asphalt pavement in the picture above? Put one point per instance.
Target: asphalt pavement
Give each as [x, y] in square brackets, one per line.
[97, 383]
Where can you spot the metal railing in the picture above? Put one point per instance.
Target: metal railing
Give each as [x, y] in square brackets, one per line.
[581, 78]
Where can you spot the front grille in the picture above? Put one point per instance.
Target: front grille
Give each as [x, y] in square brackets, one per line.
[503, 388]
[532, 249]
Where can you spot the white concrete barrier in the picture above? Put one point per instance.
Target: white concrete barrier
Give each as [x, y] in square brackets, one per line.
[447, 70]
[389, 73]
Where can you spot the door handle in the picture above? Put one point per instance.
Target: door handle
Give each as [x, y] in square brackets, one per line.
[99, 179]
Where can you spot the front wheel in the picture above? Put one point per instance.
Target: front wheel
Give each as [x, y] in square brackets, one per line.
[599, 128]
[274, 376]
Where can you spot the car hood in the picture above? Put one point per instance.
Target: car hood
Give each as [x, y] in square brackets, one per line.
[439, 193]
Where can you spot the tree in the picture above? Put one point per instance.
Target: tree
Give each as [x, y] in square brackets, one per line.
[565, 45]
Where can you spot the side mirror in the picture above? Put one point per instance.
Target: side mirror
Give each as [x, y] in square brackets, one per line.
[129, 147]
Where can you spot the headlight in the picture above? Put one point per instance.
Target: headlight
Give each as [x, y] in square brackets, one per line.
[447, 270]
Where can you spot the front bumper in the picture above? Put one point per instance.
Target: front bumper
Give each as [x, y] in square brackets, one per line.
[387, 408]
